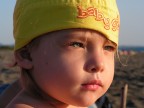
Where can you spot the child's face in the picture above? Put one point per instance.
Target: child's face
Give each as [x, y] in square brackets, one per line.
[74, 66]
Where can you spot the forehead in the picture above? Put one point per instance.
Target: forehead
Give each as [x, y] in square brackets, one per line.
[77, 33]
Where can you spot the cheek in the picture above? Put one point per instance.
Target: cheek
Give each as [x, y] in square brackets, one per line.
[69, 69]
[61, 68]
[59, 76]
[109, 71]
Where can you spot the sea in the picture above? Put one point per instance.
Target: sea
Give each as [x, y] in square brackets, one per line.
[123, 48]
[132, 48]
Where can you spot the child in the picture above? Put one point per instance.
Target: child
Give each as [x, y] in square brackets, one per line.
[65, 49]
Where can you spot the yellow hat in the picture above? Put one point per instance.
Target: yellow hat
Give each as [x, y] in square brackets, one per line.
[33, 18]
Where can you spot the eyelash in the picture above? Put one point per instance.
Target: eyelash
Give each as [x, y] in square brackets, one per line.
[109, 48]
[82, 45]
[77, 44]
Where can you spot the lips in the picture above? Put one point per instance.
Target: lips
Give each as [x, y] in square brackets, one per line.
[92, 85]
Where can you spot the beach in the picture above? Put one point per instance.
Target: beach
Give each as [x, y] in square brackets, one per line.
[129, 69]
[131, 72]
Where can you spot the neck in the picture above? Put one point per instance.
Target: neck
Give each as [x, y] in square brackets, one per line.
[49, 103]
[63, 105]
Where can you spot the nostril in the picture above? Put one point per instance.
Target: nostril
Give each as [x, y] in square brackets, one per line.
[93, 70]
[98, 68]
[95, 65]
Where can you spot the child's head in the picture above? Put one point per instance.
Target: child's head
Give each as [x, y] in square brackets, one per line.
[66, 47]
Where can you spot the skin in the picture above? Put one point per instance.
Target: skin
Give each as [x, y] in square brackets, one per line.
[73, 68]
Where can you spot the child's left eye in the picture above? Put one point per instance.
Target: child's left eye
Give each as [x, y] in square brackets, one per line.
[76, 44]
[109, 48]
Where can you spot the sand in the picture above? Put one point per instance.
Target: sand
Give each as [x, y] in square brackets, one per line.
[132, 74]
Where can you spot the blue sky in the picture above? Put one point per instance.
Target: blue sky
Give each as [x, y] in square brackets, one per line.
[132, 21]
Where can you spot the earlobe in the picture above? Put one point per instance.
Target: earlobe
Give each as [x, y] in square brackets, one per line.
[23, 62]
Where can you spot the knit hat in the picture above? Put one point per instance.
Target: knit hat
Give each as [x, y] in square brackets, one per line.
[32, 18]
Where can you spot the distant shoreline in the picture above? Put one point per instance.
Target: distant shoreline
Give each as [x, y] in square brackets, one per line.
[122, 48]
[132, 48]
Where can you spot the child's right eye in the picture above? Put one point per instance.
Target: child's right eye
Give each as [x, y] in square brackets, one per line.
[76, 44]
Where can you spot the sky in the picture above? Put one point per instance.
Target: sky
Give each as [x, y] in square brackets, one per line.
[131, 13]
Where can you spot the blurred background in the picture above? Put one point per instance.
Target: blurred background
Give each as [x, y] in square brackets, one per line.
[131, 30]
[131, 52]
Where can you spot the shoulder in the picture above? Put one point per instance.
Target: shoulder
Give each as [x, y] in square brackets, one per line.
[20, 101]
[18, 106]
[25, 100]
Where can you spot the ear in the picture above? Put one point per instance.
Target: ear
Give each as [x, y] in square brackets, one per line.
[22, 61]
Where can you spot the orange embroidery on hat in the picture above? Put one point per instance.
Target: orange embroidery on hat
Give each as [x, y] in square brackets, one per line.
[115, 24]
[106, 23]
[91, 11]
[99, 16]
[83, 14]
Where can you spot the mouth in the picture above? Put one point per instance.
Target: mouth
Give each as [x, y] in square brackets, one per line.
[92, 85]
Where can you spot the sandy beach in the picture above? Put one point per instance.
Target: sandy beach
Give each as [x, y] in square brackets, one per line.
[131, 74]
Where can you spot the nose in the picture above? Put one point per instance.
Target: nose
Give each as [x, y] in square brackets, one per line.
[95, 62]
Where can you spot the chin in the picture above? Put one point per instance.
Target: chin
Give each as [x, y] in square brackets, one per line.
[85, 103]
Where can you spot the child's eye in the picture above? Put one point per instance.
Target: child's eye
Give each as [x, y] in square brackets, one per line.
[109, 48]
[76, 44]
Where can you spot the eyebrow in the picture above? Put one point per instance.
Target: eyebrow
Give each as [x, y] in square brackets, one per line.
[79, 36]
[110, 42]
